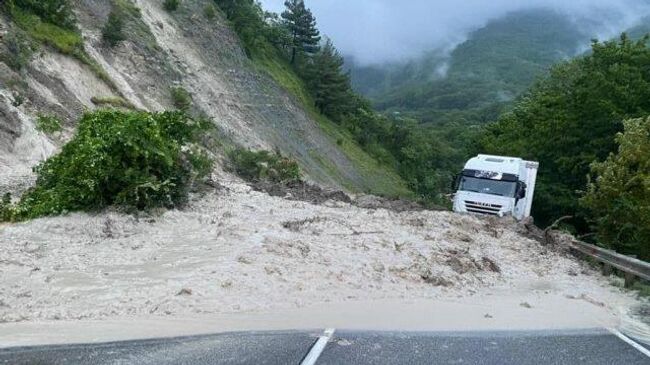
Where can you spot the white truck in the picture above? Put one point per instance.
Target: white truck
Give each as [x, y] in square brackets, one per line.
[496, 185]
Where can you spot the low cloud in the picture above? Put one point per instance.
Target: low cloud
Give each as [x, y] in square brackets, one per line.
[378, 31]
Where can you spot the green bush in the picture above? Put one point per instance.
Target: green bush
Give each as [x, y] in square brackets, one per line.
[209, 11]
[19, 50]
[48, 124]
[113, 32]
[19, 99]
[5, 208]
[619, 197]
[56, 12]
[171, 5]
[264, 166]
[135, 160]
[67, 41]
[181, 98]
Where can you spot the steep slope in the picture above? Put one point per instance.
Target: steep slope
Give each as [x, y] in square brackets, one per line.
[481, 75]
[164, 50]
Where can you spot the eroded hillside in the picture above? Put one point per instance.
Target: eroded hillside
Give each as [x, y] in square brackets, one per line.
[164, 50]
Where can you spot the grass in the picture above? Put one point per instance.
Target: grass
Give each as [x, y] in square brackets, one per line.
[128, 8]
[181, 98]
[377, 178]
[48, 124]
[65, 41]
[642, 289]
[116, 102]
[68, 42]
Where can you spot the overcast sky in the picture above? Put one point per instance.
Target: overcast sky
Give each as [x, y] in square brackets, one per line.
[374, 31]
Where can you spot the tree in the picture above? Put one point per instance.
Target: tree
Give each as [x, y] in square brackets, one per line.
[302, 27]
[619, 196]
[171, 5]
[569, 120]
[247, 18]
[329, 85]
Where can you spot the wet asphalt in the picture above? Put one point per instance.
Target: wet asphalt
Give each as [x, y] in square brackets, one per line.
[347, 347]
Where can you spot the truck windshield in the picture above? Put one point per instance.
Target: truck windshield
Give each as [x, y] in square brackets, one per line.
[487, 186]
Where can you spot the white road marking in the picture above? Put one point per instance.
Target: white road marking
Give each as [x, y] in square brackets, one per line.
[630, 342]
[318, 347]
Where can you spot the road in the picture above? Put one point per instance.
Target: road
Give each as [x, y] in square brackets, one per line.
[592, 347]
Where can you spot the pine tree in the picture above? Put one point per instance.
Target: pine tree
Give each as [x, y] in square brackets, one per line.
[302, 26]
[329, 85]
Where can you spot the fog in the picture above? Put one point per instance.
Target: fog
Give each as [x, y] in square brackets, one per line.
[377, 31]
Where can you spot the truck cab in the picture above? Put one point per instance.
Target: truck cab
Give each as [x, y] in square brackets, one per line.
[496, 185]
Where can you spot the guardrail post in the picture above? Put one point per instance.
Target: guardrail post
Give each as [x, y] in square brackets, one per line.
[629, 279]
[607, 269]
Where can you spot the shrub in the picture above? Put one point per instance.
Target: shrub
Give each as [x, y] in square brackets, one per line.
[19, 99]
[619, 198]
[171, 5]
[209, 11]
[48, 124]
[181, 98]
[19, 50]
[56, 12]
[263, 165]
[5, 207]
[113, 32]
[135, 160]
[67, 41]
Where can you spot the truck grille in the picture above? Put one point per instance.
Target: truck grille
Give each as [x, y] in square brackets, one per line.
[482, 208]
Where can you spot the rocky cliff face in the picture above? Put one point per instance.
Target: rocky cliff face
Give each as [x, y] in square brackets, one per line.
[166, 50]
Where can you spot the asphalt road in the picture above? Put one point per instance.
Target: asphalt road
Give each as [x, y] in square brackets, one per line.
[346, 347]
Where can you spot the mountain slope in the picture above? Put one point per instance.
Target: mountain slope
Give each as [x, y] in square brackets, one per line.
[163, 50]
[481, 75]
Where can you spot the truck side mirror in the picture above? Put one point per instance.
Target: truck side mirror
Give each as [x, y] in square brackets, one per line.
[521, 190]
[455, 182]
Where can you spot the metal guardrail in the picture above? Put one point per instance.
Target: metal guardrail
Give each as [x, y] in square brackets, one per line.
[631, 266]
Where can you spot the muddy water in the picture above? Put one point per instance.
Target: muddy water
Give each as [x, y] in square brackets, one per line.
[239, 251]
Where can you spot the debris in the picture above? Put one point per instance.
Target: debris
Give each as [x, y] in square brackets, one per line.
[244, 260]
[491, 265]
[343, 342]
[587, 299]
[185, 291]
[296, 226]
[525, 305]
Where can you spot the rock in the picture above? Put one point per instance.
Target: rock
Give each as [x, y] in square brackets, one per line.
[491, 265]
[244, 260]
[525, 305]
[185, 291]
[226, 284]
